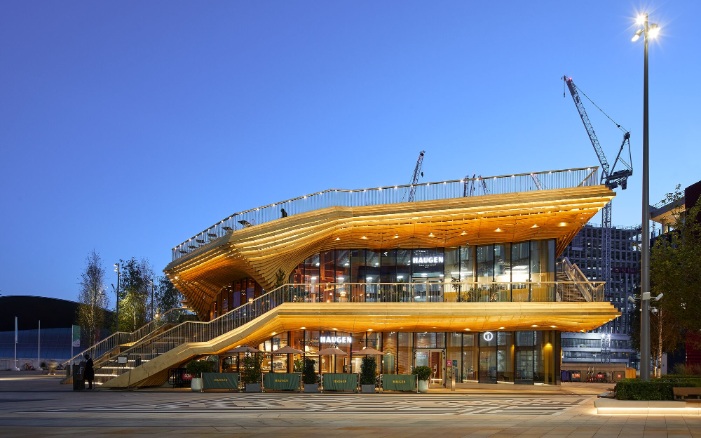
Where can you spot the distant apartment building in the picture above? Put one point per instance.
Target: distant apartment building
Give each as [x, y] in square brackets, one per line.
[610, 343]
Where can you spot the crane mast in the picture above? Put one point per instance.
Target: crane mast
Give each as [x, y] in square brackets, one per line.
[416, 175]
[609, 177]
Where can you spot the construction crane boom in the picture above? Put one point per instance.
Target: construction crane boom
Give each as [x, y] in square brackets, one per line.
[609, 177]
[416, 175]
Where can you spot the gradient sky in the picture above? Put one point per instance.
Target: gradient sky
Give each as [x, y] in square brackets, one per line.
[128, 126]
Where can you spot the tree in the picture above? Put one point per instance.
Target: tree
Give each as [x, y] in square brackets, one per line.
[167, 297]
[674, 262]
[134, 294]
[92, 298]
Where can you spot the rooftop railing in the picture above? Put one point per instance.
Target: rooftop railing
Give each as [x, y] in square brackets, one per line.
[431, 191]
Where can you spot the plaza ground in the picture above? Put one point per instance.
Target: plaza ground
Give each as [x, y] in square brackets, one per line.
[33, 404]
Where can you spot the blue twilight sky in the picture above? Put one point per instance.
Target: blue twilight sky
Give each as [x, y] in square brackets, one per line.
[128, 126]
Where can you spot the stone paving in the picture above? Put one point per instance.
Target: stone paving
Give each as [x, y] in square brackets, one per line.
[36, 405]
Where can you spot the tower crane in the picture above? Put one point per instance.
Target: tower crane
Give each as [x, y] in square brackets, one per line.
[610, 177]
[416, 175]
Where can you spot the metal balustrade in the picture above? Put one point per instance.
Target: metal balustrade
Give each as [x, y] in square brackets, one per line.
[110, 346]
[431, 191]
[449, 292]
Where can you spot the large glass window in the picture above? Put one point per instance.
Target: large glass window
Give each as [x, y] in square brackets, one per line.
[485, 272]
[520, 271]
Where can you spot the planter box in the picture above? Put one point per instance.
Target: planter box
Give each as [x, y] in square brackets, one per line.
[253, 387]
[196, 384]
[311, 387]
[367, 389]
[423, 386]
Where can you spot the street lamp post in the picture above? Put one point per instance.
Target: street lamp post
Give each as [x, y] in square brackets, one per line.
[152, 314]
[116, 306]
[647, 31]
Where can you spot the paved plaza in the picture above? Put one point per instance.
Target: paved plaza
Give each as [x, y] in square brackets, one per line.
[37, 405]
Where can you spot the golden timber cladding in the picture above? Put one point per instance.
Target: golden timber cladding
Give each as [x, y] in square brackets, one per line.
[261, 250]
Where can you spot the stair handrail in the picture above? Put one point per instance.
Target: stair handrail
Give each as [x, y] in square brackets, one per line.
[105, 346]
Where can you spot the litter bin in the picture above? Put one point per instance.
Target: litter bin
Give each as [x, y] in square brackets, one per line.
[79, 376]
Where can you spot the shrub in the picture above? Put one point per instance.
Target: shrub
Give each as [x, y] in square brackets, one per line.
[367, 370]
[655, 389]
[251, 369]
[423, 372]
[196, 367]
[308, 373]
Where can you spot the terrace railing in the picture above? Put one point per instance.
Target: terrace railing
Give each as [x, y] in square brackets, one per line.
[431, 191]
[190, 331]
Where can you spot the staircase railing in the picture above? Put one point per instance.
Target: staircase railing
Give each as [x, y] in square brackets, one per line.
[109, 347]
[589, 290]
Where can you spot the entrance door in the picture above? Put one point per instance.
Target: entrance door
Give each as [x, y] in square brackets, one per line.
[434, 359]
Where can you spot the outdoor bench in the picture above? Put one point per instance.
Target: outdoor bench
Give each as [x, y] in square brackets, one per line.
[687, 392]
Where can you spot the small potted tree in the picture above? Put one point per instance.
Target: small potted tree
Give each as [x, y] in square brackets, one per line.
[423, 373]
[309, 376]
[195, 368]
[251, 373]
[367, 375]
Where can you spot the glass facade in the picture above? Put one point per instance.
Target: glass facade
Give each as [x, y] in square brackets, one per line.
[523, 357]
[502, 272]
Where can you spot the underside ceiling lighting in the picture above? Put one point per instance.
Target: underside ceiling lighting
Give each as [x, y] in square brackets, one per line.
[498, 230]
[431, 234]
[364, 237]
[396, 236]
[338, 238]
[535, 226]
[562, 224]
[467, 329]
[463, 233]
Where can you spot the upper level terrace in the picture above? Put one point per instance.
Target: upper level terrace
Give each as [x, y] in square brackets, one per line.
[430, 191]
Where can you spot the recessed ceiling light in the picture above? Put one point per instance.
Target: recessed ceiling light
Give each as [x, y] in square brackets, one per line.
[467, 329]
[431, 234]
[302, 328]
[338, 238]
[463, 233]
[534, 325]
[364, 238]
[553, 326]
[562, 224]
[498, 230]
[535, 226]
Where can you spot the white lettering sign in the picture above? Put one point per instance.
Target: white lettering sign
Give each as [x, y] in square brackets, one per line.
[335, 339]
[427, 260]
[488, 336]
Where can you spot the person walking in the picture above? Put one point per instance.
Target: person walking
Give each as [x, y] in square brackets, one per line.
[89, 370]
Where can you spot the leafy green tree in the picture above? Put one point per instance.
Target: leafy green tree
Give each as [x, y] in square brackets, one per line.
[674, 271]
[92, 298]
[134, 294]
[167, 297]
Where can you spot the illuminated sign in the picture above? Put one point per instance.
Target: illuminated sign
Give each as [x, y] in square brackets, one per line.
[488, 336]
[335, 339]
[431, 260]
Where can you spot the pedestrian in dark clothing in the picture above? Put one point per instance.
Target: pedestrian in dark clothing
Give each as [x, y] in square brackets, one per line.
[89, 371]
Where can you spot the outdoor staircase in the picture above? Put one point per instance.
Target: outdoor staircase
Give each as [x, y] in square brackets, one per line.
[574, 285]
